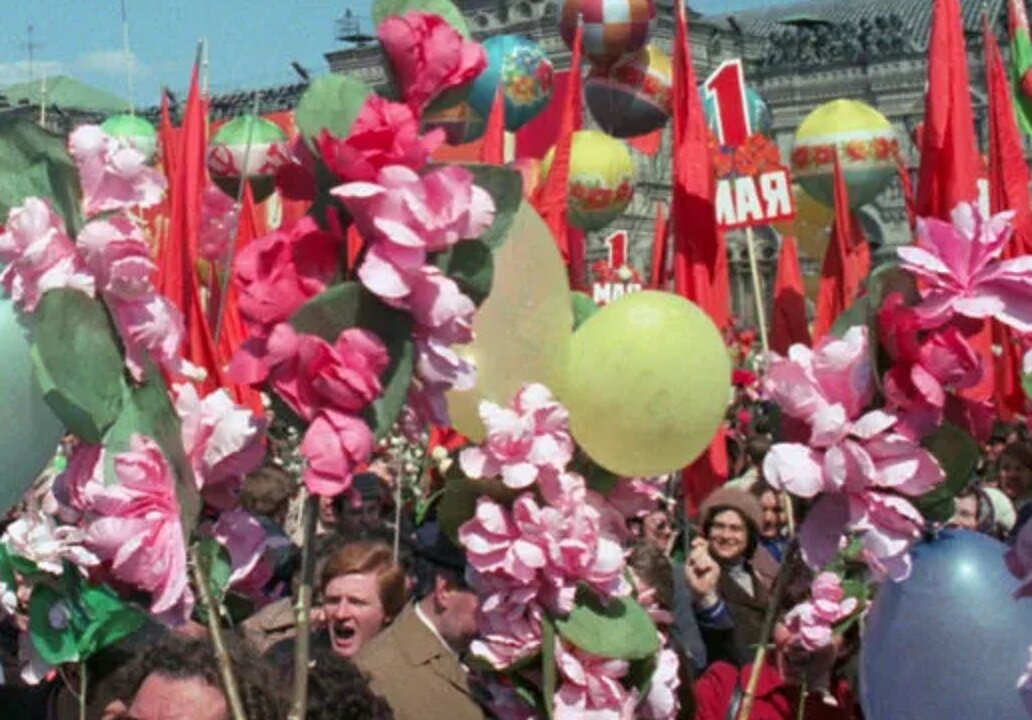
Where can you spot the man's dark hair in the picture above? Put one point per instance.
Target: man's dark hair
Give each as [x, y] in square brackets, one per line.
[181, 658]
[338, 691]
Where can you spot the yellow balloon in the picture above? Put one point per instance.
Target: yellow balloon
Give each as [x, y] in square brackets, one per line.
[524, 327]
[648, 383]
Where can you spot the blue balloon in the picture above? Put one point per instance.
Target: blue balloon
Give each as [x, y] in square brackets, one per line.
[950, 641]
[522, 69]
[760, 118]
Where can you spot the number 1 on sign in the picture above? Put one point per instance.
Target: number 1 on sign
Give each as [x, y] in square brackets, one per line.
[726, 87]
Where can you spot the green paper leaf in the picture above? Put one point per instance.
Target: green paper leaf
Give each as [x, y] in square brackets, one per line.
[217, 567]
[505, 186]
[471, 265]
[620, 629]
[349, 305]
[7, 569]
[36, 162]
[331, 102]
[147, 410]
[549, 679]
[458, 502]
[583, 307]
[55, 645]
[109, 620]
[957, 453]
[78, 362]
[383, 9]
[640, 673]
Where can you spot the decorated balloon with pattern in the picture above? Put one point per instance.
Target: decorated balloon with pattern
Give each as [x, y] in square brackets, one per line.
[760, 118]
[631, 97]
[134, 131]
[522, 69]
[863, 140]
[461, 123]
[602, 176]
[251, 147]
[613, 29]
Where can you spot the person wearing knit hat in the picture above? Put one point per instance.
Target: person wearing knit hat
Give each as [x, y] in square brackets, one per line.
[730, 520]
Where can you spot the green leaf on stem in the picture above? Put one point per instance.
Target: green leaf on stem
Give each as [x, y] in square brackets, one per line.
[78, 362]
[619, 628]
[109, 619]
[583, 307]
[957, 453]
[470, 264]
[549, 676]
[50, 626]
[217, 567]
[349, 305]
[331, 102]
[383, 9]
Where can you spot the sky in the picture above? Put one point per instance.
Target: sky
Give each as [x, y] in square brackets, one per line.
[251, 43]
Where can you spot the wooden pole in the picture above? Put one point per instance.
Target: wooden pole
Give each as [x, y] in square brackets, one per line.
[757, 283]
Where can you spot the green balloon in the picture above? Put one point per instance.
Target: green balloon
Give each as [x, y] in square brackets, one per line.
[31, 435]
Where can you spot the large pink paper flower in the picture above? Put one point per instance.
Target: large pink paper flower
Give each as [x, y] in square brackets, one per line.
[82, 478]
[529, 438]
[508, 628]
[634, 497]
[137, 530]
[428, 57]
[812, 622]
[854, 458]
[39, 255]
[116, 252]
[383, 134]
[114, 176]
[334, 445]
[36, 536]
[245, 541]
[591, 687]
[662, 701]
[222, 440]
[153, 326]
[961, 274]
[280, 272]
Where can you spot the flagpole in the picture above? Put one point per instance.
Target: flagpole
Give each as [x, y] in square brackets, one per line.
[757, 283]
[128, 56]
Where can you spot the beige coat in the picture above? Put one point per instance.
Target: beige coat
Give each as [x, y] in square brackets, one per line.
[417, 675]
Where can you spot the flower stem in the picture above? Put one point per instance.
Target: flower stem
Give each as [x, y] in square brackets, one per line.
[82, 689]
[303, 610]
[236, 707]
[765, 634]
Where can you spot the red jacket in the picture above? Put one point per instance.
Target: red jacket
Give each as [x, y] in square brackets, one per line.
[774, 699]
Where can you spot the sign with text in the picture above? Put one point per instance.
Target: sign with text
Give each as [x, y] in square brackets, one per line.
[614, 277]
[753, 187]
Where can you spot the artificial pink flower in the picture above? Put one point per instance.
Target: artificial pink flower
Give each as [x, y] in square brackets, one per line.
[384, 134]
[812, 622]
[280, 272]
[222, 440]
[854, 458]
[528, 439]
[662, 701]
[508, 628]
[218, 223]
[439, 307]
[961, 273]
[153, 327]
[136, 529]
[635, 497]
[495, 545]
[245, 541]
[116, 252]
[428, 56]
[591, 687]
[114, 175]
[36, 536]
[39, 255]
[81, 479]
[334, 445]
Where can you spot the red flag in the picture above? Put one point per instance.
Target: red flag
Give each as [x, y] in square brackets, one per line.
[700, 257]
[1008, 190]
[552, 195]
[232, 332]
[177, 276]
[949, 153]
[658, 279]
[647, 144]
[846, 262]
[788, 326]
[492, 150]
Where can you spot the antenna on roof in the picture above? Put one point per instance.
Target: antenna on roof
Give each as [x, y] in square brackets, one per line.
[30, 47]
[127, 55]
[349, 29]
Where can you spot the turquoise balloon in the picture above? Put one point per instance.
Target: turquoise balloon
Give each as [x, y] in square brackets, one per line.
[31, 433]
[760, 118]
[949, 641]
[523, 71]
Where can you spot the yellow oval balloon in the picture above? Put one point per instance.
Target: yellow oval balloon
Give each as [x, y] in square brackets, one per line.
[524, 327]
[648, 383]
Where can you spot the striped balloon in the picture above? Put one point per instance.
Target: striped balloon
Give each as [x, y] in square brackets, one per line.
[612, 28]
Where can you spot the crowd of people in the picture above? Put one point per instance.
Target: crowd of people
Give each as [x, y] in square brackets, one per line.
[394, 616]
